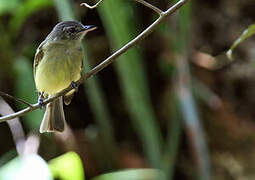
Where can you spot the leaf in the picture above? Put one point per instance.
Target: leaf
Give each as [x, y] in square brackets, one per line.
[247, 33]
[134, 174]
[67, 166]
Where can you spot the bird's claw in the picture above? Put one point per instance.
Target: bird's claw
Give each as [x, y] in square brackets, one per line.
[40, 101]
[75, 86]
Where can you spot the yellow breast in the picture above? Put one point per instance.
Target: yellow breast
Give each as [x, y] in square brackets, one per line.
[57, 69]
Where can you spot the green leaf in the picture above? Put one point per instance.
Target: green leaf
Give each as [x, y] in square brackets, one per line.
[67, 166]
[134, 174]
[247, 33]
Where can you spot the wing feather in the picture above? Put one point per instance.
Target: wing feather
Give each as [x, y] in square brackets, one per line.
[38, 57]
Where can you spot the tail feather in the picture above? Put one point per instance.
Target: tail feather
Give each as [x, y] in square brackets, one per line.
[54, 117]
[68, 99]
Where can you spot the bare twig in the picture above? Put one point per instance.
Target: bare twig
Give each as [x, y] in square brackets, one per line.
[105, 63]
[89, 6]
[157, 10]
[3, 94]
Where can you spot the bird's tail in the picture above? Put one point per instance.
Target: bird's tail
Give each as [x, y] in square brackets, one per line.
[54, 117]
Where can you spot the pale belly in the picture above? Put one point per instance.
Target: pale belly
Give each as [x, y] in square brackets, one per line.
[56, 72]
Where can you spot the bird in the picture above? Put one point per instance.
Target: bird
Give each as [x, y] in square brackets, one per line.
[58, 64]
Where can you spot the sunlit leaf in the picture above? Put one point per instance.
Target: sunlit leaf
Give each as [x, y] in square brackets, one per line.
[134, 174]
[247, 33]
[67, 166]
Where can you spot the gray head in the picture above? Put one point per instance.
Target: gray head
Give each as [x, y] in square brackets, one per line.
[69, 30]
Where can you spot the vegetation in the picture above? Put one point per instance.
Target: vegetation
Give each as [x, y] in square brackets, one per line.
[177, 105]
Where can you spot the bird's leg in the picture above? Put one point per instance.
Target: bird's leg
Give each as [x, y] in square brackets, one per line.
[75, 86]
[40, 100]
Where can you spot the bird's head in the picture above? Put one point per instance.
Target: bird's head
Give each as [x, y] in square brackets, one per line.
[70, 30]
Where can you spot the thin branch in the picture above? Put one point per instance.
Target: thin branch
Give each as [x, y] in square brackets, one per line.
[157, 10]
[91, 7]
[3, 94]
[105, 63]
[137, 39]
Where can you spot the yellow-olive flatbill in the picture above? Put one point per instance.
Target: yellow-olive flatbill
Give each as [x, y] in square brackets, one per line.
[57, 64]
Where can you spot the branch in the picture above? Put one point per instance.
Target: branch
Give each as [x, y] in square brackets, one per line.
[105, 63]
[157, 10]
[91, 7]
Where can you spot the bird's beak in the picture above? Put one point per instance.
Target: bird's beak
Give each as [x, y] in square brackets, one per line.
[88, 28]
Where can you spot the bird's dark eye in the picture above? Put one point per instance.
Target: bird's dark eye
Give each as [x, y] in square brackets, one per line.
[72, 30]
[69, 29]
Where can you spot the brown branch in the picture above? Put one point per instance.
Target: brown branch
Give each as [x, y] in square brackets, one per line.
[89, 6]
[106, 62]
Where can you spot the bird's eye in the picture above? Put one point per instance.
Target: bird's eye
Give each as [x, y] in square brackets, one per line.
[72, 29]
[69, 29]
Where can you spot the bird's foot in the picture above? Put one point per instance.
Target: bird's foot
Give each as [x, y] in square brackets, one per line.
[40, 100]
[75, 86]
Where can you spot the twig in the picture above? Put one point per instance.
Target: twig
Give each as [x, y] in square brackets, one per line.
[91, 7]
[105, 63]
[157, 10]
[3, 94]
[137, 39]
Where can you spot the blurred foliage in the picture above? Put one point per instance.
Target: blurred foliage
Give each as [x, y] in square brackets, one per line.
[186, 100]
[117, 16]
[159, 105]
[67, 166]
[134, 174]
[24, 10]
[8, 6]
[246, 34]
[25, 79]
